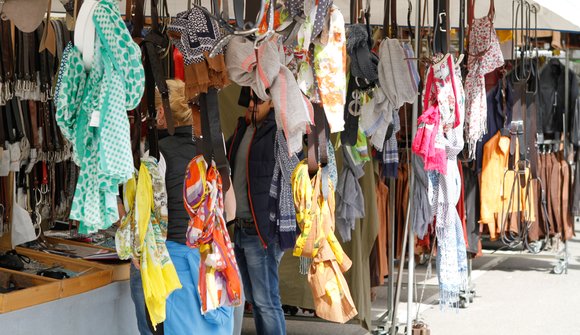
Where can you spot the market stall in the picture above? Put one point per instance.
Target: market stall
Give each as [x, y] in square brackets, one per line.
[407, 114]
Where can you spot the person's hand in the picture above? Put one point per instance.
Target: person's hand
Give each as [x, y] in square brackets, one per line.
[136, 263]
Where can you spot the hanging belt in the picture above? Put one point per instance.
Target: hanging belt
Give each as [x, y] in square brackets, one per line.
[213, 145]
[151, 110]
[33, 109]
[12, 108]
[3, 129]
[7, 59]
[517, 132]
[318, 141]
[442, 33]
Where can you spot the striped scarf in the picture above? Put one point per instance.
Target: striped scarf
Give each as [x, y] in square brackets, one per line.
[203, 200]
[282, 210]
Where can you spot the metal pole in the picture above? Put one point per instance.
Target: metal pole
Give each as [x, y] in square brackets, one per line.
[400, 273]
[392, 237]
[411, 271]
[567, 101]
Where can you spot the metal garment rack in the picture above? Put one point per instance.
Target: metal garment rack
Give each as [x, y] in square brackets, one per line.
[561, 267]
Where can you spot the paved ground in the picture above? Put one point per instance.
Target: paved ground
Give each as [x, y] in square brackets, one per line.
[514, 295]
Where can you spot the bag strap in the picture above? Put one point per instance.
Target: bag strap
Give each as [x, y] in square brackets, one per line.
[213, 146]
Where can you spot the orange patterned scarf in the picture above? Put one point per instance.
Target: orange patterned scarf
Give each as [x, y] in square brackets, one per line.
[203, 200]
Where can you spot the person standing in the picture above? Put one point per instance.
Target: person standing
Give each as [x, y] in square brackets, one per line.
[183, 308]
[258, 253]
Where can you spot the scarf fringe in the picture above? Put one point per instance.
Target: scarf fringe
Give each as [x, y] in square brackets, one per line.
[304, 266]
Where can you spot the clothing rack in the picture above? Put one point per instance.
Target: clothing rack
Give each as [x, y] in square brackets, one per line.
[561, 256]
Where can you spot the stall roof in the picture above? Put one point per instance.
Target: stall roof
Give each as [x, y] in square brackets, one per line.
[553, 14]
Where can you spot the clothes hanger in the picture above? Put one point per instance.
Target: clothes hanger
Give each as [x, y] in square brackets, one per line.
[248, 31]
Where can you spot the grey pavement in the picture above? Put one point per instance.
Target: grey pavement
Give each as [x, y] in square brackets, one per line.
[515, 294]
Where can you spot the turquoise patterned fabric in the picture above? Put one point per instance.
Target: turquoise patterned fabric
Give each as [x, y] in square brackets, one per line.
[114, 85]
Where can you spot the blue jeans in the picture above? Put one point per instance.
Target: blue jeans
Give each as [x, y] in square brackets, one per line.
[259, 270]
[138, 298]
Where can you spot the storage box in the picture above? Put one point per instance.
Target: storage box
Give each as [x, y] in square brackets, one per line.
[121, 269]
[92, 275]
[36, 290]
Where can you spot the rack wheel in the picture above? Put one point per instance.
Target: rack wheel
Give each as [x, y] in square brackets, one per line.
[463, 303]
[559, 268]
[423, 259]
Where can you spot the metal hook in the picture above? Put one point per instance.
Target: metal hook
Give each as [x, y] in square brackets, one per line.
[441, 22]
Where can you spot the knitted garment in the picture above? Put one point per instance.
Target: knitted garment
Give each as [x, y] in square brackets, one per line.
[142, 236]
[317, 241]
[219, 280]
[264, 72]
[91, 113]
[282, 211]
[324, 73]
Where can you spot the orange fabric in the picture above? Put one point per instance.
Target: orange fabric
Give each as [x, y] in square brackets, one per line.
[203, 200]
[383, 213]
[497, 189]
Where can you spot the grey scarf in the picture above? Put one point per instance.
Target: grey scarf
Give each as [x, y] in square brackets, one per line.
[350, 204]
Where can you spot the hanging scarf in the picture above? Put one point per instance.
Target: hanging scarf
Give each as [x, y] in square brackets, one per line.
[443, 103]
[264, 72]
[391, 150]
[219, 281]
[315, 216]
[195, 35]
[350, 204]
[282, 210]
[444, 190]
[484, 56]
[325, 73]
[91, 113]
[142, 236]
